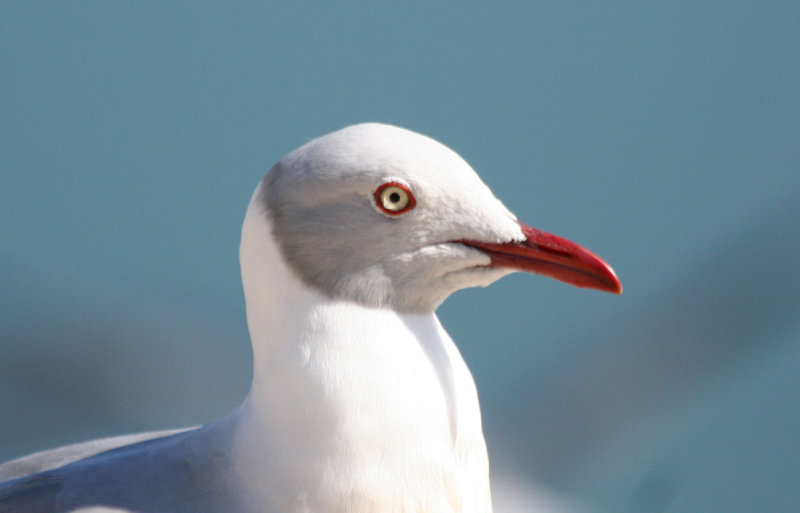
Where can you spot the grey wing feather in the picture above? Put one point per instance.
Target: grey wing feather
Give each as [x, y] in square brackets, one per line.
[34, 494]
[37, 481]
[38, 494]
[54, 458]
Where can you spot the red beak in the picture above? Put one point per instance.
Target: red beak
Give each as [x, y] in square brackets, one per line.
[543, 253]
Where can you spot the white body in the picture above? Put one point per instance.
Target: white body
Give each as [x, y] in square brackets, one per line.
[347, 446]
[353, 409]
[360, 401]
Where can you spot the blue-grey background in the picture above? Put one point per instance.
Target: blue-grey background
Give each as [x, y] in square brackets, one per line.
[665, 136]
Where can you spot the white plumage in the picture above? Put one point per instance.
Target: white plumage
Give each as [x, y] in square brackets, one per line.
[360, 401]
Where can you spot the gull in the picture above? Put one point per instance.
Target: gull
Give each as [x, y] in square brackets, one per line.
[360, 401]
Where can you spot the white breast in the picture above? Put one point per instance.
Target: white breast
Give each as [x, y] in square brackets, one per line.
[365, 409]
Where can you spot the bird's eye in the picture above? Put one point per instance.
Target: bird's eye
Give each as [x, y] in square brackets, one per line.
[394, 198]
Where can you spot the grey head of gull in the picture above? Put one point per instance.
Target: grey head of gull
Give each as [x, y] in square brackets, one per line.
[360, 401]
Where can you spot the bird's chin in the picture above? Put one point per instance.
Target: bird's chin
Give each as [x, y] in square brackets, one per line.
[475, 276]
[436, 290]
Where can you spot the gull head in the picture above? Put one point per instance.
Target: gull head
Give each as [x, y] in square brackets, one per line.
[389, 218]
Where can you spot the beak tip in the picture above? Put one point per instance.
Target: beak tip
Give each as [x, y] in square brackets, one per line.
[614, 285]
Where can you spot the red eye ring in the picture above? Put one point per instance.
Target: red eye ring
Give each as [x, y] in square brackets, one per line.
[394, 198]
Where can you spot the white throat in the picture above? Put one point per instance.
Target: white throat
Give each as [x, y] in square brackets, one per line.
[351, 408]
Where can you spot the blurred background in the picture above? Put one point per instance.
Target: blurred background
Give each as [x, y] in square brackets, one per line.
[665, 136]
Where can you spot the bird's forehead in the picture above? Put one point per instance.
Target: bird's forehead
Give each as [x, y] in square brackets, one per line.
[364, 155]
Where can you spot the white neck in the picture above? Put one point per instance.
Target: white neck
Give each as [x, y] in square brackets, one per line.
[351, 408]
